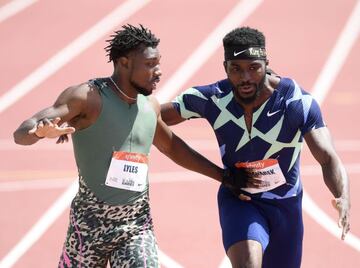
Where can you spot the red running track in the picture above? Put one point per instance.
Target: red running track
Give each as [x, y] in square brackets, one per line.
[300, 39]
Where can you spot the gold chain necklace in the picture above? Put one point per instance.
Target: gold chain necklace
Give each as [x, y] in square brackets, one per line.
[122, 92]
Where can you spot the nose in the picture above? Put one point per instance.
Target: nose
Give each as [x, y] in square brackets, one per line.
[158, 71]
[245, 76]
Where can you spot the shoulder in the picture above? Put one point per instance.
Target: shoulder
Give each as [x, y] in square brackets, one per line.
[217, 88]
[205, 93]
[291, 91]
[155, 104]
[83, 92]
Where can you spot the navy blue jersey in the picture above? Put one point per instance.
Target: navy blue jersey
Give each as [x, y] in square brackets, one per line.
[277, 130]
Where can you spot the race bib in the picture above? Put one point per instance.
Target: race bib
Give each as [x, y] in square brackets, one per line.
[270, 174]
[128, 171]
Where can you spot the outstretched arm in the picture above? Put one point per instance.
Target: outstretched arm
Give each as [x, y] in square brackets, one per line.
[334, 174]
[178, 151]
[48, 122]
[170, 115]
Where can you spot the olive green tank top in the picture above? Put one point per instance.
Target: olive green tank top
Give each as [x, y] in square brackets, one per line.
[119, 127]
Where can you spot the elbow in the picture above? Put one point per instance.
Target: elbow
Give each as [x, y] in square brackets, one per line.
[20, 140]
[17, 139]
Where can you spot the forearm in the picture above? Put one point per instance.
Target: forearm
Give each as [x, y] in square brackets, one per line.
[169, 114]
[22, 136]
[335, 178]
[186, 157]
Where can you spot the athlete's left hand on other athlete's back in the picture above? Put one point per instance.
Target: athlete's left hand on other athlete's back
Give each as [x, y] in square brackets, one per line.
[342, 205]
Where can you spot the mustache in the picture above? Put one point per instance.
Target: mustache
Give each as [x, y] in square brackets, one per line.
[244, 84]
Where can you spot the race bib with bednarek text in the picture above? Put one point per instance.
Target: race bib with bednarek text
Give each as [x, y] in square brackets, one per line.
[269, 173]
[128, 171]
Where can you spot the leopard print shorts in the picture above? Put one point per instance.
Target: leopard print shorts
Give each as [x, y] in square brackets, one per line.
[99, 233]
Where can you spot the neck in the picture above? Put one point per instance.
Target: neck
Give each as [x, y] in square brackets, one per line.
[123, 95]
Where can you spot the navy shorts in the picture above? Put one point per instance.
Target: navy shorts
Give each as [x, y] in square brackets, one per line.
[276, 223]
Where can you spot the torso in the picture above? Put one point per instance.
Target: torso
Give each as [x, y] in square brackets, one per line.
[272, 129]
[113, 125]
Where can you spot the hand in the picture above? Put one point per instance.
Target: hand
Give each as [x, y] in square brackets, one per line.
[62, 139]
[241, 178]
[49, 128]
[342, 205]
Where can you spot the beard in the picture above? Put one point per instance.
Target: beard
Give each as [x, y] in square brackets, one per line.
[258, 88]
[140, 89]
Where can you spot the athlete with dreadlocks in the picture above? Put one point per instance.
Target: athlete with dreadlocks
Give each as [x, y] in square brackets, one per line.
[113, 122]
[260, 121]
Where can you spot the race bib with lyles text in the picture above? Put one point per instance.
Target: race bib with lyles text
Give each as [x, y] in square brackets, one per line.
[128, 171]
[270, 174]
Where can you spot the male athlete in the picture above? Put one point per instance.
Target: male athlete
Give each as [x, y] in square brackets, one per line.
[113, 122]
[260, 121]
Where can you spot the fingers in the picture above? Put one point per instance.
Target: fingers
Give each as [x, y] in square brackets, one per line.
[56, 120]
[342, 206]
[32, 131]
[244, 197]
[49, 128]
[256, 183]
[62, 139]
[69, 130]
[334, 204]
[345, 230]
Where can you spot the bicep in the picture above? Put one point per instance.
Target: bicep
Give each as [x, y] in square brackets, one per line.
[69, 104]
[170, 115]
[320, 144]
[163, 136]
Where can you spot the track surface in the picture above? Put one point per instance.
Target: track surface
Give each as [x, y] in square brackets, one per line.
[301, 36]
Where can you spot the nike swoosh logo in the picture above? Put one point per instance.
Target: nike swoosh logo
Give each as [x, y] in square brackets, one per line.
[271, 114]
[238, 53]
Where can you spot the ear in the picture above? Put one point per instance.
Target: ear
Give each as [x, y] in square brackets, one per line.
[225, 65]
[123, 62]
[267, 62]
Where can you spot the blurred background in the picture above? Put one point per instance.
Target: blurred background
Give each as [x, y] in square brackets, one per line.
[47, 46]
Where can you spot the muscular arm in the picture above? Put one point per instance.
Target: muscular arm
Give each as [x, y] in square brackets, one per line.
[334, 174]
[170, 115]
[68, 105]
[178, 151]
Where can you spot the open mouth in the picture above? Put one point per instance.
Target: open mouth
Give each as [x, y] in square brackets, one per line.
[246, 89]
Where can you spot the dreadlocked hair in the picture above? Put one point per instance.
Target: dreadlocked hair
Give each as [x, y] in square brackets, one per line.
[244, 36]
[128, 39]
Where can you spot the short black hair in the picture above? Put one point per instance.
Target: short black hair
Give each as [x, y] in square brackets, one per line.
[244, 36]
[128, 39]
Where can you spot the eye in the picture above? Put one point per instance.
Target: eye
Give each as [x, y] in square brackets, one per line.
[152, 64]
[234, 69]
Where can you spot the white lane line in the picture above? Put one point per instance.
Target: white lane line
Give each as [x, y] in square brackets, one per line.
[40, 227]
[326, 222]
[338, 55]
[48, 218]
[236, 17]
[199, 144]
[225, 263]
[167, 261]
[35, 184]
[322, 86]
[121, 13]
[65, 55]
[155, 177]
[14, 7]
[331, 69]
